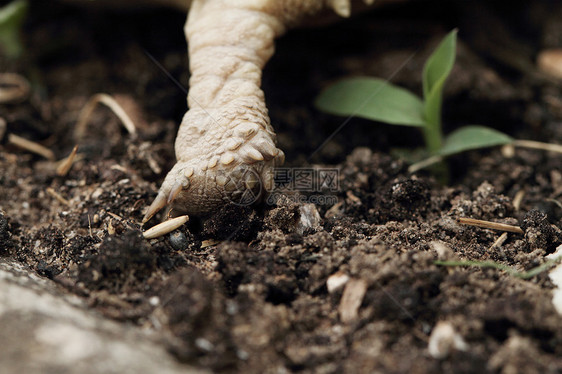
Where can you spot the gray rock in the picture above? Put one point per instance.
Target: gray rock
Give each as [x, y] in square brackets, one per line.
[44, 330]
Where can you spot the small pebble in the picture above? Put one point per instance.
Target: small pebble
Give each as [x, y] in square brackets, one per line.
[178, 240]
[204, 345]
[444, 339]
[154, 301]
[556, 278]
[443, 251]
[336, 281]
[549, 61]
[309, 218]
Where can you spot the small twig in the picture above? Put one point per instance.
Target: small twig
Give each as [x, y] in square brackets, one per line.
[13, 88]
[117, 217]
[31, 146]
[66, 164]
[538, 145]
[499, 241]
[518, 199]
[153, 164]
[3, 128]
[58, 196]
[352, 197]
[90, 226]
[209, 243]
[554, 201]
[112, 104]
[490, 225]
[122, 169]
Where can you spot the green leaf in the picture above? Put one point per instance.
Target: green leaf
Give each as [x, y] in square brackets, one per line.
[439, 65]
[435, 72]
[473, 137]
[374, 99]
[11, 21]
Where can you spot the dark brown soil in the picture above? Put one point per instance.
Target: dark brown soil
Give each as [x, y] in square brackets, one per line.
[255, 297]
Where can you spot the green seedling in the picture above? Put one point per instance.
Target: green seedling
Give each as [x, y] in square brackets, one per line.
[379, 100]
[11, 21]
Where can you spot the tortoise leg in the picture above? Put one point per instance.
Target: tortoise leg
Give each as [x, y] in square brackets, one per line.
[226, 147]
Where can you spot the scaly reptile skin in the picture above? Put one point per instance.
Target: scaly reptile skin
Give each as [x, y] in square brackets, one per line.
[225, 146]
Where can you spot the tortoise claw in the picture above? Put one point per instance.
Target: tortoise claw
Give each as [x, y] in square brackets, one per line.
[159, 202]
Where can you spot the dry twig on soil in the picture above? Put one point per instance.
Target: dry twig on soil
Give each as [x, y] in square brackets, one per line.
[13, 88]
[66, 164]
[490, 225]
[31, 146]
[58, 196]
[112, 104]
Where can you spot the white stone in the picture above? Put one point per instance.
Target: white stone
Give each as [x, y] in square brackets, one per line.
[336, 281]
[50, 331]
[444, 339]
[309, 218]
[556, 278]
[549, 61]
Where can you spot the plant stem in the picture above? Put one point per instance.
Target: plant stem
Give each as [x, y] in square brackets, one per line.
[432, 132]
